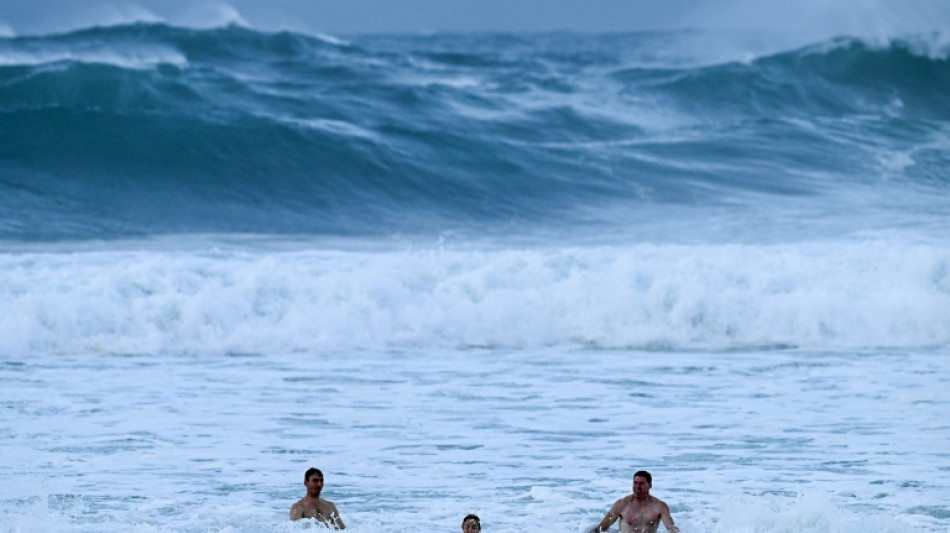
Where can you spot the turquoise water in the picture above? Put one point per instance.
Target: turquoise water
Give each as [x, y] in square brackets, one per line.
[146, 129]
[482, 273]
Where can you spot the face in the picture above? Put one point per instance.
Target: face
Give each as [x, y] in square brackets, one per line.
[641, 487]
[314, 485]
[471, 526]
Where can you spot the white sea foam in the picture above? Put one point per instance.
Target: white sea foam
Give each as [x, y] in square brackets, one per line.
[115, 15]
[532, 441]
[134, 57]
[210, 15]
[336, 127]
[821, 295]
[331, 39]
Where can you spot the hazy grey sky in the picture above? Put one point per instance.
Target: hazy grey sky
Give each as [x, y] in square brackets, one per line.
[864, 17]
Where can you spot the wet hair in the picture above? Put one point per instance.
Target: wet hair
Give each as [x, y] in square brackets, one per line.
[472, 517]
[310, 472]
[644, 473]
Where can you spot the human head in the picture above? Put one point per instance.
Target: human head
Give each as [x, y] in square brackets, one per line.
[642, 481]
[310, 472]
[644, 473]
[471, 524]
[313, 480]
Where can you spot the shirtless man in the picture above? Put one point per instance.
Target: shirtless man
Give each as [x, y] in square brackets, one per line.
[312, 506]
[639, 512]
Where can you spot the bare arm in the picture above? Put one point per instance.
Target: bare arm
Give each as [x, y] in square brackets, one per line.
[612, 515]
[668, 519]
[335, 517]
[296, 511]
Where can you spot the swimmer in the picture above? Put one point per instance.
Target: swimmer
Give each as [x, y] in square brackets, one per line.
[639, 512]
[471, 524]
[313, 506]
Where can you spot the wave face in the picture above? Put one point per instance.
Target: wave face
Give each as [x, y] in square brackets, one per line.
[148, 129]
[227, 190]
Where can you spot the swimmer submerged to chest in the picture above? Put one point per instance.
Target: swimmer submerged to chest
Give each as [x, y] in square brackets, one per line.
[313, 506]
[638, 512]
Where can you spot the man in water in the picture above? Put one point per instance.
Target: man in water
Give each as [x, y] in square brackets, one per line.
[471, 524]
[312, 506]
[639, 512]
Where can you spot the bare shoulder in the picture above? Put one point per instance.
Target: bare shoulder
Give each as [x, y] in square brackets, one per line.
[296, 510]
[661, 503]
[620, 504]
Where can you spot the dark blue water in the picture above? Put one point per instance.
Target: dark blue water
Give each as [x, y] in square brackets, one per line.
[147, 129]
[472, 273]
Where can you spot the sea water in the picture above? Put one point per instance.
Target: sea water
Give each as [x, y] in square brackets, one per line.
[485, 273]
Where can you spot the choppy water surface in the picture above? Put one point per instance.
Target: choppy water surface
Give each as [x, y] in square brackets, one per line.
[487, 273]
[532, 441]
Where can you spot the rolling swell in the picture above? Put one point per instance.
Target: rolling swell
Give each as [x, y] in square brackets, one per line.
[836, 79]
[149, 129]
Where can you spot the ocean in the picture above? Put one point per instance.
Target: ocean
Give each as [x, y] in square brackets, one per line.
[485, 273]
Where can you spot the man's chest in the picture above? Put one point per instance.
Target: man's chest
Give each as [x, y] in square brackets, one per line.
[638, 515]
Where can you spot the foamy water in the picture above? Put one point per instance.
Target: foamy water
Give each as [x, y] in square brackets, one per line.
[540, 440]
[827, 294]
[489, 273]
